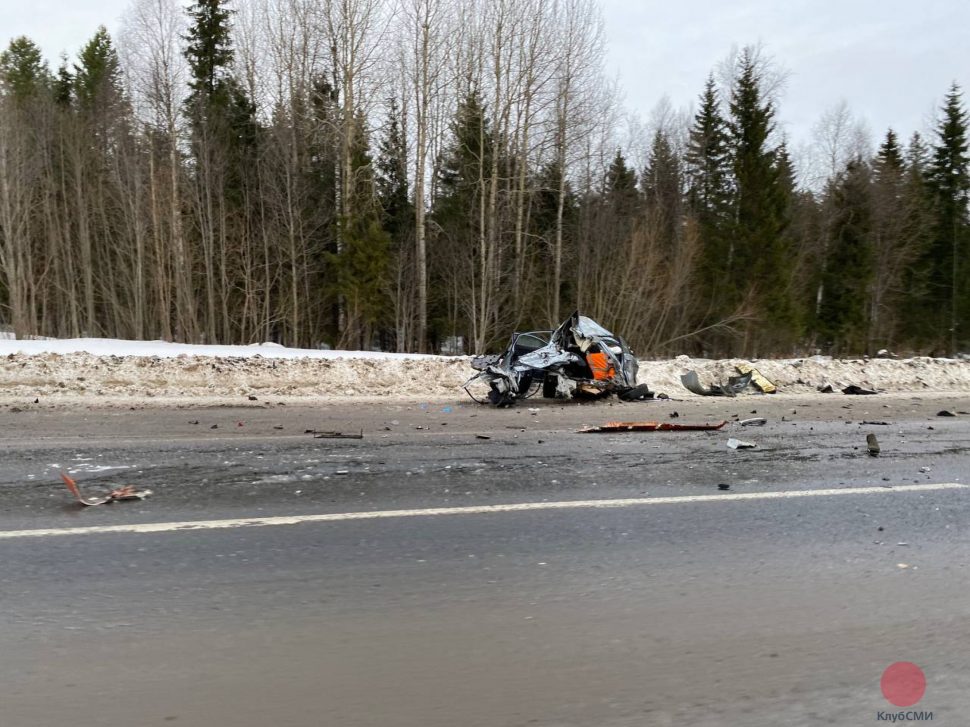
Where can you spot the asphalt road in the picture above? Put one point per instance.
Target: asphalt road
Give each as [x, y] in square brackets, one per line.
[713, 610]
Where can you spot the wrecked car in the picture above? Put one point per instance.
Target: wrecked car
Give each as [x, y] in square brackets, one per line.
[578, 359]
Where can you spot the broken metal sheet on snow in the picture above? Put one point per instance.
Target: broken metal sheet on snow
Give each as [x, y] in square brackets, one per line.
[128, 492]
[757, 378]
[734, 386]
[650, 427]
[740, 444]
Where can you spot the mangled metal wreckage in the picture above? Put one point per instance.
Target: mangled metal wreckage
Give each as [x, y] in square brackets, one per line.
[578, 359]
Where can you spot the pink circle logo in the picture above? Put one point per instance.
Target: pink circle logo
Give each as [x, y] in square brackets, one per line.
[903, 684]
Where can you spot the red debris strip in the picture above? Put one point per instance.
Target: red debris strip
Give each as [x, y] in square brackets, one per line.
[651, 427]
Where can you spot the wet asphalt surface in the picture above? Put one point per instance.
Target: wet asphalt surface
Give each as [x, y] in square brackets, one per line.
[761, 612]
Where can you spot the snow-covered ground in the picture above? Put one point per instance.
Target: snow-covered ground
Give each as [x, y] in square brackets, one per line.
[110, 370]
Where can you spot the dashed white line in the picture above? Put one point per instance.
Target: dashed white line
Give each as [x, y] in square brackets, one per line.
[189, 525]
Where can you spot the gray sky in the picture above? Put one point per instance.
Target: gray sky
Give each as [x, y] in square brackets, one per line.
[892, 60]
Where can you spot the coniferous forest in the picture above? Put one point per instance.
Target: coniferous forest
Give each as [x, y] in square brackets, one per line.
[428, 175]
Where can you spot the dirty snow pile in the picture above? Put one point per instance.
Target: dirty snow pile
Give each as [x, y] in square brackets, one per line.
[806, 375]
[110, 369]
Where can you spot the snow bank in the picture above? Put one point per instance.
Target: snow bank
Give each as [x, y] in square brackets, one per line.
[164, 349]
[105, 369]
[802, 376]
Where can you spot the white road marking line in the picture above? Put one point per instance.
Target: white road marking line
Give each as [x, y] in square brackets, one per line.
[471, 510]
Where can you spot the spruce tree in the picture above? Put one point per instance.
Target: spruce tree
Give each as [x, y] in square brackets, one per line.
[621, 188]
[708, 164]
[456, 217]
[949, 263]
[224, 139]
[97, 74]
[23, 71]
[359, 269]
[391, 179]
[894, 246]
[209, 52]
[622, 206]
[217, 106]
[759, 261]
[842, 314]
[397, 219]
[662, 183]
[63, 85]
[710, 202]
[889, 158]
[917, 203]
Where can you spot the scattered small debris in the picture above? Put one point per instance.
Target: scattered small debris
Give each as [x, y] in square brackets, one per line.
[740, 444]
[651, 427]
[826, 389]
[482, 436]
[854, 390]
[903, 565]
[902, 544]
[875, 424]
[342, 472]
[872, 445]
[339, 435]
[128, 492]
[214, 426]
[924, 470]
[753, 422]
[278, 426]
[674, 415]
[724, 487]
[253, 398]
[194, 421]
[946, 413]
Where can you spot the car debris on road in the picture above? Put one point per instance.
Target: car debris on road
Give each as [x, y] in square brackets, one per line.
[872, 445]
[758, 380]
[753, 422]
[128, 492]
[335, 435]
[578, 359]
[854, 390]
[650, 427]
[748, 374]
[740, 444]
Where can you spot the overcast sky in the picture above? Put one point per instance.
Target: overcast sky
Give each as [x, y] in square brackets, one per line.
[891, 60]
